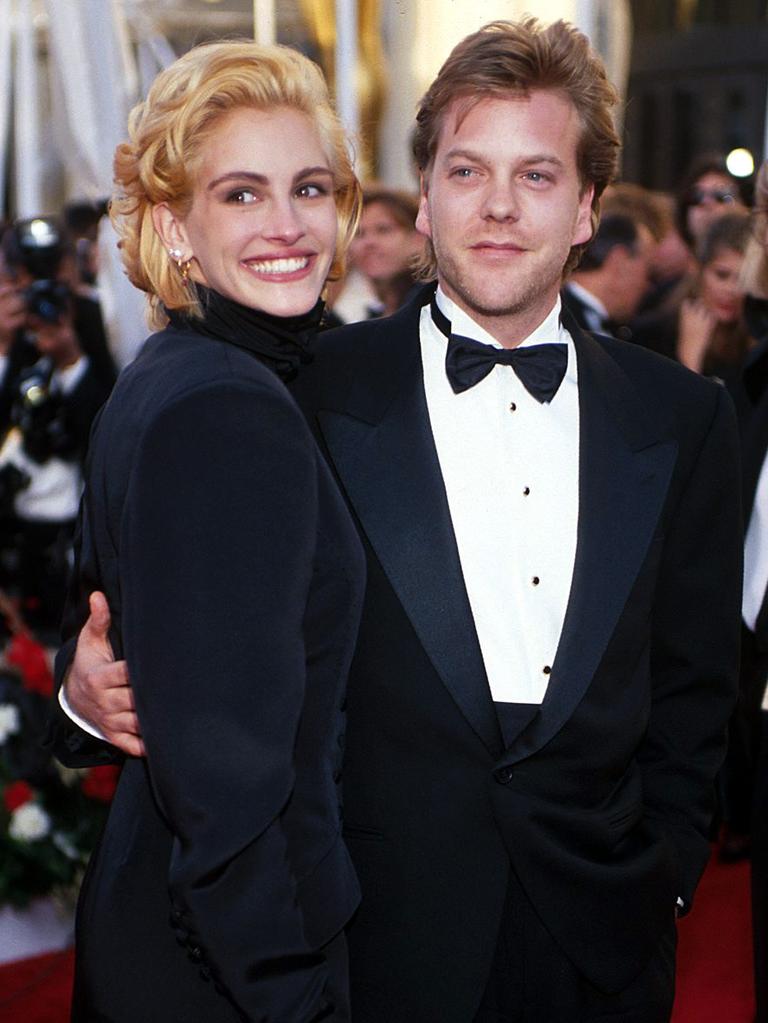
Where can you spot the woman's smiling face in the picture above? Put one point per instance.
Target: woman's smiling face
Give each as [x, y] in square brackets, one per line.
[262, 226]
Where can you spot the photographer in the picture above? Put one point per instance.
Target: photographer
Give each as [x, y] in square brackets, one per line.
[39, 249]
[55, 401]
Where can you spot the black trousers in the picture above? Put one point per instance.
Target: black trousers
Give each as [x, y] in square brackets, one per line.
[533, 981]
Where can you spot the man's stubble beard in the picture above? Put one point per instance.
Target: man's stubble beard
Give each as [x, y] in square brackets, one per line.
[521, 294]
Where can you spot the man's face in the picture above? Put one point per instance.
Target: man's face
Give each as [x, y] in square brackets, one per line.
[503, 205]
[632, 269]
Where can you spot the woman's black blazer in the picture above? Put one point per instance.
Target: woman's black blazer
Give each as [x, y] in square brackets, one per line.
[235, 580]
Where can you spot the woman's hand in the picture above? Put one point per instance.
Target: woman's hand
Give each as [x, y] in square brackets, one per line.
[695, 327]
[97, 686]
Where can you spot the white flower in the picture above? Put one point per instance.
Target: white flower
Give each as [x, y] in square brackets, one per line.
[29, 823]
[10, 721]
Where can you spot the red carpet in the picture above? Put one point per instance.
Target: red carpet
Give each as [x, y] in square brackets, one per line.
[36, 990]
[714, 960]
[714, 963]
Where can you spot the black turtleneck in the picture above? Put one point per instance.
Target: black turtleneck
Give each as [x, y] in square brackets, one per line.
[281, 342]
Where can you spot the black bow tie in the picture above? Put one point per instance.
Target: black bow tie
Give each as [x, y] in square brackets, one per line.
[540, 368]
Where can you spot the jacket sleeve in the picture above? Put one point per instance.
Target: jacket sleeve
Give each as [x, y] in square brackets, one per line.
[216, 554]
[69, 743]
[695, 647]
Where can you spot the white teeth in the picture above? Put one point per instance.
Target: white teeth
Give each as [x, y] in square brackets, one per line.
[280, 266]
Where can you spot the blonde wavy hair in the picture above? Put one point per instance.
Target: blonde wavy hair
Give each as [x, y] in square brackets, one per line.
[167, 136]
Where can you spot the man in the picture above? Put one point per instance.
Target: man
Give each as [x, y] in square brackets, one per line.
[547, 654]
[604, 292]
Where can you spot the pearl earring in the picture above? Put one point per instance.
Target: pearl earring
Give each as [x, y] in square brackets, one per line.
[183, 264]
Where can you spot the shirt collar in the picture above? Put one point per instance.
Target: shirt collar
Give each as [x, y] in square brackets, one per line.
[550, 331]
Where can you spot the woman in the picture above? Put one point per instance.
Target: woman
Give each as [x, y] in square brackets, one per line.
[708, 191]
[387, 244]
[712, 337]
[234, 574]
[701, 324]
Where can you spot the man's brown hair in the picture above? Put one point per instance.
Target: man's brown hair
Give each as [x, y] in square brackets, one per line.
[507, 59]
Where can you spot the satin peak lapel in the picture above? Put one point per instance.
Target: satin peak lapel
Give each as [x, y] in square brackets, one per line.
[625, 466]
[388, 466]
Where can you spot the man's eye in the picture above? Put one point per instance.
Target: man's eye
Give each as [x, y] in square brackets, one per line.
[462, 172]
[537, 177]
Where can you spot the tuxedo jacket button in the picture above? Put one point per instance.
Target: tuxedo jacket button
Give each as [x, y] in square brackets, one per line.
[504, 775]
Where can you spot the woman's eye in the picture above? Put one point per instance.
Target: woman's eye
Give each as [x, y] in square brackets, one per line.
[311, 190]
[242, 195]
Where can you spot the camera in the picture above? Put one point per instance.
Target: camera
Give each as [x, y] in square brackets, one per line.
[35, 245]
[48, 300]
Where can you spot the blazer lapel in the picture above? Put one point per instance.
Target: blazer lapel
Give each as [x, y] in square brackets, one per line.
[382, 448]
[626, 462]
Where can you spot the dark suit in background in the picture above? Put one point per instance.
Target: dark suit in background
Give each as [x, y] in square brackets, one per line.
[234, 577]
[599, 809]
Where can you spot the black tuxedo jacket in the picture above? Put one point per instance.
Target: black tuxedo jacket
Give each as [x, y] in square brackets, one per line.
[601, 806]
[235, 581]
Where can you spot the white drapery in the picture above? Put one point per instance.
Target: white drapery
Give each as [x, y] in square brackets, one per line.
[28, 151]
[96, 82]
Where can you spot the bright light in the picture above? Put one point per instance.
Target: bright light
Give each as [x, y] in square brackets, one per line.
[740, 163]
[42, 232]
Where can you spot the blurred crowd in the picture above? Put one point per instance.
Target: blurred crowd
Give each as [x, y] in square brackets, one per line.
[56, 371]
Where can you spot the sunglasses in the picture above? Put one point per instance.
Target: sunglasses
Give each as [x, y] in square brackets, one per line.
[700, 195]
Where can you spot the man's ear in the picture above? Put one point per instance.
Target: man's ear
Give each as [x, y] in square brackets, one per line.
[423, 222]
[583, 229]
[171, 230]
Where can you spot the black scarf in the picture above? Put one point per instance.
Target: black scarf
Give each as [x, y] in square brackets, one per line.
[281, 342]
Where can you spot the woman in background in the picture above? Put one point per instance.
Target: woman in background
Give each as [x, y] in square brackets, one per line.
[221, 887]
[387, 244]
[712, 337]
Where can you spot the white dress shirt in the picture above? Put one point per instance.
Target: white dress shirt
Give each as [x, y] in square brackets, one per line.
[510, 465]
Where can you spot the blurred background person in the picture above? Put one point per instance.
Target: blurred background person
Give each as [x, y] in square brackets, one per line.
[39, 249]
[712, 335]
[671, 259]
[606, 288]
[707, 192]
[82, 219]
[702, 322]
[386, 248]
[51, 400]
